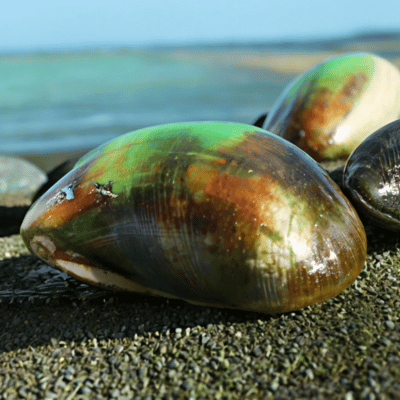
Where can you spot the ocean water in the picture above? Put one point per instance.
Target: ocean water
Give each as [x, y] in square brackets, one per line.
[71, 101]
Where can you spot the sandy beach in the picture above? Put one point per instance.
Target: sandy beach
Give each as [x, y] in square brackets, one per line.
[61, 339]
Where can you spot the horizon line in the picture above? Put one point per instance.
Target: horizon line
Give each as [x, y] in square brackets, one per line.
[362, 35]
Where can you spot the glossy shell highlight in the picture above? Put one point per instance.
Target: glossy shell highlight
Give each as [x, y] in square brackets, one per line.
[372, 176]
[218, 214]
[330, 109]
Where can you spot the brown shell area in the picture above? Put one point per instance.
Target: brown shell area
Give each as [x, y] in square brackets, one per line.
[317, 113]
[218, 205]
[86, 198]
[237, 222]
[308, 287]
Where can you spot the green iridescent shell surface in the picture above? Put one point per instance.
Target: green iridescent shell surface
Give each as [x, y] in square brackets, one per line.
[330, 109]
[372, 176]
[214, 213]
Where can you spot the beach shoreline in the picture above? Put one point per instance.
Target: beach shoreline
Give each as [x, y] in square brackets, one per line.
[287, 63]
[283, 61]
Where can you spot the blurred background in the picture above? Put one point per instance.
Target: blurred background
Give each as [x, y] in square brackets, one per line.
[76, 74]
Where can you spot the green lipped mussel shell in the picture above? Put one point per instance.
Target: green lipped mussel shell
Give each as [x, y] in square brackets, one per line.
[331, 108]
[214, 213]
[372, 176]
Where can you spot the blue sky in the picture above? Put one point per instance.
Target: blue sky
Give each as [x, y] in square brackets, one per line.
[44, 24]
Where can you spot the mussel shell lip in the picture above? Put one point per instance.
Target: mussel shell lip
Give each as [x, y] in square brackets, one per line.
[226, 215]
[329, 124]
[371, 177]
[378, 217]
[84, 270]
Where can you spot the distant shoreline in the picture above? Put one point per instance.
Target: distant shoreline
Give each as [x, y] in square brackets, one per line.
[291, 63]
[285, 62]
[372, 40]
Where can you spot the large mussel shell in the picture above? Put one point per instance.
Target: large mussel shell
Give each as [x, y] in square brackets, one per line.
[218, 214]
[372, 176]
[330, 109]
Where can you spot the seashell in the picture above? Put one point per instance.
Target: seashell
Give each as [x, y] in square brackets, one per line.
[217, 214]
[55, 175]
[18, 176]
[12, 215]
[372, 176]
[330, 109]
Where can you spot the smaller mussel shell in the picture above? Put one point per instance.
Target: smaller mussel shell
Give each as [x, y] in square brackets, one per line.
[213, 213]
[372, 176]
[330, 109]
